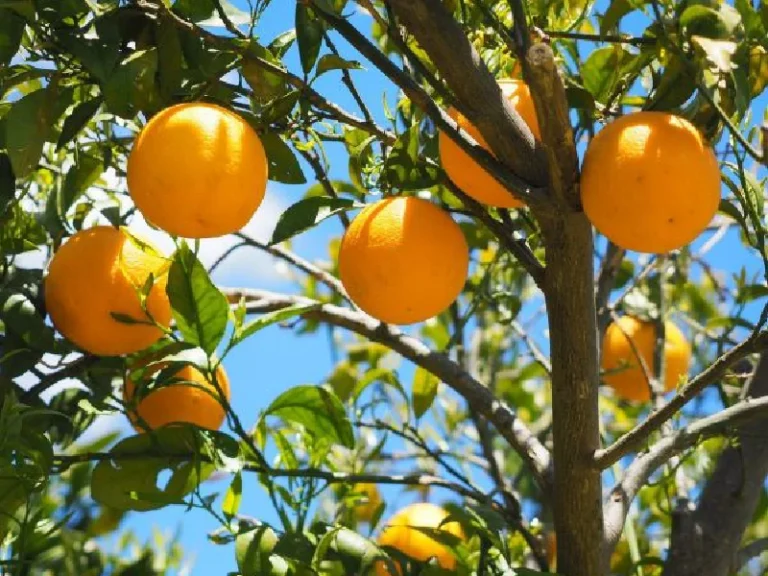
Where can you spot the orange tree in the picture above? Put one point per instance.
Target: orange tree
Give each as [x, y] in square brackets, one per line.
[537, 172]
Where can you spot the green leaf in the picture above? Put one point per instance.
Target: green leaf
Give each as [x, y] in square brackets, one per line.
[271, 318]
[307, 213]
[234, 14]
[718, 52]
[280, 45]
[27, 127]
[253, 553]
[77, 120]
[318, 188]
[199, 308]
[231, 503]
[333, 62]
[20, 231]
[425, 385]
[11, 30]
[318, 410]
[309, 33]
[24, 8]
[676, 86]
[169, 59]
[700, 20]
[130, 482]
[405, 167]
[194, 10]
[603, 69]
[7, 182]
[283, 165]
[616, 11]
[20, 316]
[79, 178]
[131, 87]
[753, 25]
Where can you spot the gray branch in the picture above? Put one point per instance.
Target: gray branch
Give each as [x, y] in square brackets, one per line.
[637, 474]
[729, 498]
[479, 398]
[714, 372]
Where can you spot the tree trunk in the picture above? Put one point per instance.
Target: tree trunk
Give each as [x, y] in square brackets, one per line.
[569, 286]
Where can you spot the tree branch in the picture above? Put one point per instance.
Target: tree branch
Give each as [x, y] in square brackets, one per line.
[634, 438]
[68, 371]
[479, 95]
[314, 97]
[750, 551]
[637, 474]
[477, 396]
[64, 461]
[729, 498]
[294, 259]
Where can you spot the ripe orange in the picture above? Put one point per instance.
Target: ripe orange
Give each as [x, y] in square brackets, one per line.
[197, 170]
[367, 508]
[188, 397]
[464, 171]
[401, 535]
[618, 356]
[650, 182]
[100, 271]
[403, 260]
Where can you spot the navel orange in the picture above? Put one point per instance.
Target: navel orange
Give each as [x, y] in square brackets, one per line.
[403, 260]
[197, 170]
[624, 370]
[464, 171]
[100, 271]
[650, 182]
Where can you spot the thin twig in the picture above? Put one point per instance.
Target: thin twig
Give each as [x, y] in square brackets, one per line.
[609, 38]
[504, 419]
[295, 260]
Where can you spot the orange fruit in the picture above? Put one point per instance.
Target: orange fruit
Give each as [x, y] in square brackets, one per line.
[400, 534]
[650, 182]
[187, 397]
[197, 170]
[100, 271]
[464, 171]
[618, 356]
[403, 260]
[367, 508]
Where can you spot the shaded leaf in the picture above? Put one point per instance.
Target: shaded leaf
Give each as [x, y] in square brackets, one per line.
[283, 165]
[130, 483]
[27, 127]
[309, 33]
[405, 167]
[307, 213]
[194, 10]
[77, 120]
[11, 30]
[169, 59]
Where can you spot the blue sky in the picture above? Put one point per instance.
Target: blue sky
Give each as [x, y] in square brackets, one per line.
[275, 359]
